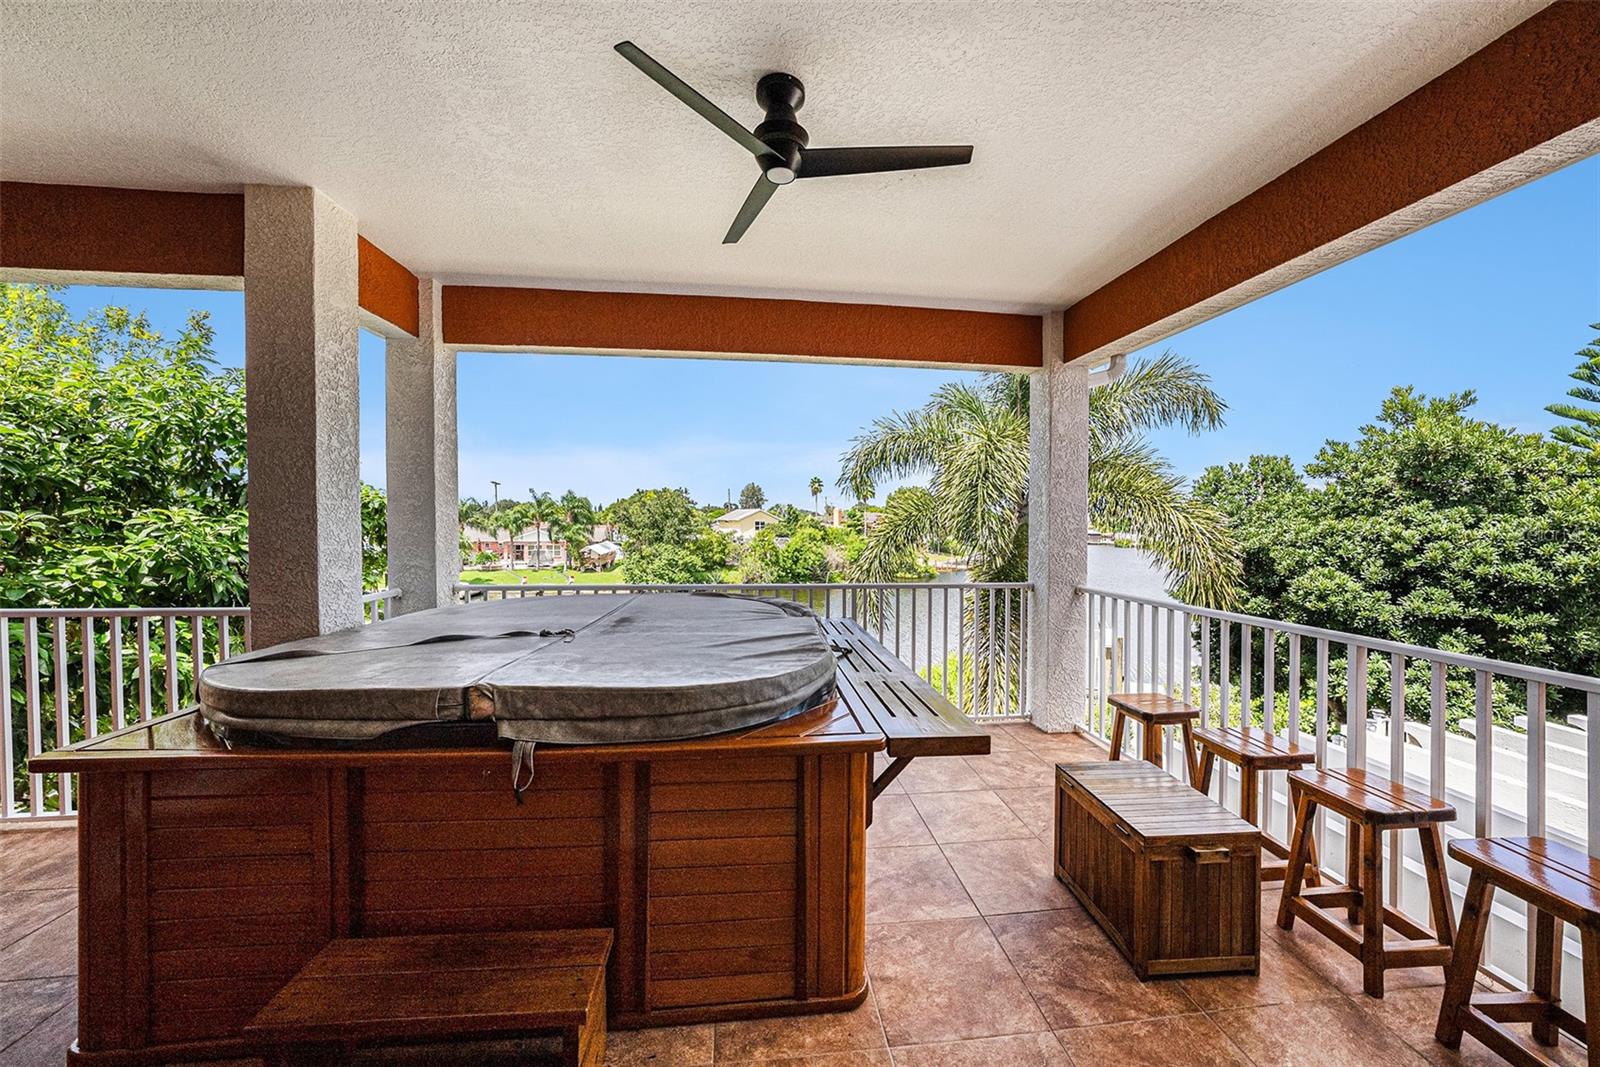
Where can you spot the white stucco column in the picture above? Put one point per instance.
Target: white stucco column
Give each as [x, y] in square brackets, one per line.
[420, 450]
[1058, 523]
[301, 403]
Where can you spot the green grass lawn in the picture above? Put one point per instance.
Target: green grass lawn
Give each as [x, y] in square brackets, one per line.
[542, 577]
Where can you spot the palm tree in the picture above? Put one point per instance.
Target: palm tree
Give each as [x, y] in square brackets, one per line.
[971, 443]
[816, 493]
[574, 524]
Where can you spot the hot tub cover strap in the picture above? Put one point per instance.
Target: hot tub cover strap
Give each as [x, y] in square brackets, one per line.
[589, 669]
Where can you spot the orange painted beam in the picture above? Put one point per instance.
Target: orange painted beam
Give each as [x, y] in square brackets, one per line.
[121, 231]
[654, 322]
[1536, 82]
[385, 288]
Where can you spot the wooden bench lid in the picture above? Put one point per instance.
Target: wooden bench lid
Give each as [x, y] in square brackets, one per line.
[1154, 805]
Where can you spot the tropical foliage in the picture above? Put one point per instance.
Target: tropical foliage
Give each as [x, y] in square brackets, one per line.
[1433, 528]
[1582, 429]
[752, 496]
[971, 443]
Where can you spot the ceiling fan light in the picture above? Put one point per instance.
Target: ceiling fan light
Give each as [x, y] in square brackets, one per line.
[780, 175]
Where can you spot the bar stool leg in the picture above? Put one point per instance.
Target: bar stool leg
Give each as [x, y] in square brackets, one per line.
[1208, 763]
[1591, 991]
[1300, 849]
[1463, 969]
[1371, 911]
[1190, 756]
[1546, 973]
[1440, 906]
[1249, 795]
[1352, 867]
[1119, 723]
[1150, 735]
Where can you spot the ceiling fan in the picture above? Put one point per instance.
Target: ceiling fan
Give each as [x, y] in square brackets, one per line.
[779, 143]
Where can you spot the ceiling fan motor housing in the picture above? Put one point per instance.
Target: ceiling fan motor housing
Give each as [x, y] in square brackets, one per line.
[780, 96]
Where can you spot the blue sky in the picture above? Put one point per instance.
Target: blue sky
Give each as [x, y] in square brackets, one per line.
[1497, 299]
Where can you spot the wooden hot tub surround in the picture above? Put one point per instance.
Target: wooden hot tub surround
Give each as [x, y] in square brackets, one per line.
[730, 868]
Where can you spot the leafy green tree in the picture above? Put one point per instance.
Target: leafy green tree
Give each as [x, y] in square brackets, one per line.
[658, 517]
[702, 560]
[122, 460]
[1432, 528]
[374, 537]
[752, 496]
[803, 557]
[816, 494]
[1584, 431]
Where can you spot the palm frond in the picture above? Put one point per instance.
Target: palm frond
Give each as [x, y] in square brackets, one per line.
[1165, 391]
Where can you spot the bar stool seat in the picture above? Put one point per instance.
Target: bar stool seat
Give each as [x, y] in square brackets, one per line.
[1154, 712]
[1560, 885]
[1253, 750]
[1371, 805]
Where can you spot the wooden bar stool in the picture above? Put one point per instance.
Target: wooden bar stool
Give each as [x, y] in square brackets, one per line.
[1560, 885]
[1370, 805]
[1154, 712]
[1254, 751]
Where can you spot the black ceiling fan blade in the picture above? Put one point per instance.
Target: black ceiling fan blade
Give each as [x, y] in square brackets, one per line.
[828, 162]
[760, 193]
[688, 94]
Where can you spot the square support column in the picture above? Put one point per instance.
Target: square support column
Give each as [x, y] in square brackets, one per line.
[424, 539]
[302, 407]
[1058, 528]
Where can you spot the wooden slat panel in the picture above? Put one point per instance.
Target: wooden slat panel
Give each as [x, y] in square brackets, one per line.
[677, 937]
[193, 844]
[486, 863]
[503, 833]
[494, 776]
[726, 906]
[248, 961]
[231, 811]
[727, 852]
[287, 927]
[706, 963]
[230, 901]
[198, 1025]
[473, 892]
[428, 954]
[201, 994]
[722, 796]
[681, 825]
[503, 916]
[750, 878]
[484, 804]
[264, 782]
[748, 769]
[229, 871]
[725, 989]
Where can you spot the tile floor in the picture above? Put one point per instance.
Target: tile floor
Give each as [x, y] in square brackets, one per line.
[976, 956]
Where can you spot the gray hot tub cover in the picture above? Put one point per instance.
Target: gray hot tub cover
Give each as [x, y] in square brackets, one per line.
[590, 669]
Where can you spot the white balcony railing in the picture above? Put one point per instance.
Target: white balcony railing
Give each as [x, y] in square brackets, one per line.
[1518, 772]
[67, 674]
[969, 639]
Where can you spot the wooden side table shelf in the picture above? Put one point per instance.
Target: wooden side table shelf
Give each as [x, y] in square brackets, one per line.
[1254, 751]
[1154, 712]
[1560, 885]
[1370, 804]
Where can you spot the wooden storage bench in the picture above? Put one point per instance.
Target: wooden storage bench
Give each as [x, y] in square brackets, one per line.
[441, 987]
[1172, 877]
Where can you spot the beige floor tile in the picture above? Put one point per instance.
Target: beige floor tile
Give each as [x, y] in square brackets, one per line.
[49, 952]
[873, 1058]
[914, 884]
[762, 1040]
[671, 1046]
[25, 912]
[1015, 769]
[1075, 975]
[1320, 1033]
[939, 774]
[973, 815]
[1283, 979]
[39, 859]
[895, 822]
[1413, 1014]
[1017, 1050]
[46, 1044]
[946, 981]
[1009, 876]
[1341, 969]
[1175, 1041]
[26, 1004]
[1035, 807]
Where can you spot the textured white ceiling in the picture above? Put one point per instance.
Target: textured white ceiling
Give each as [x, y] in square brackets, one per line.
[486, 140]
